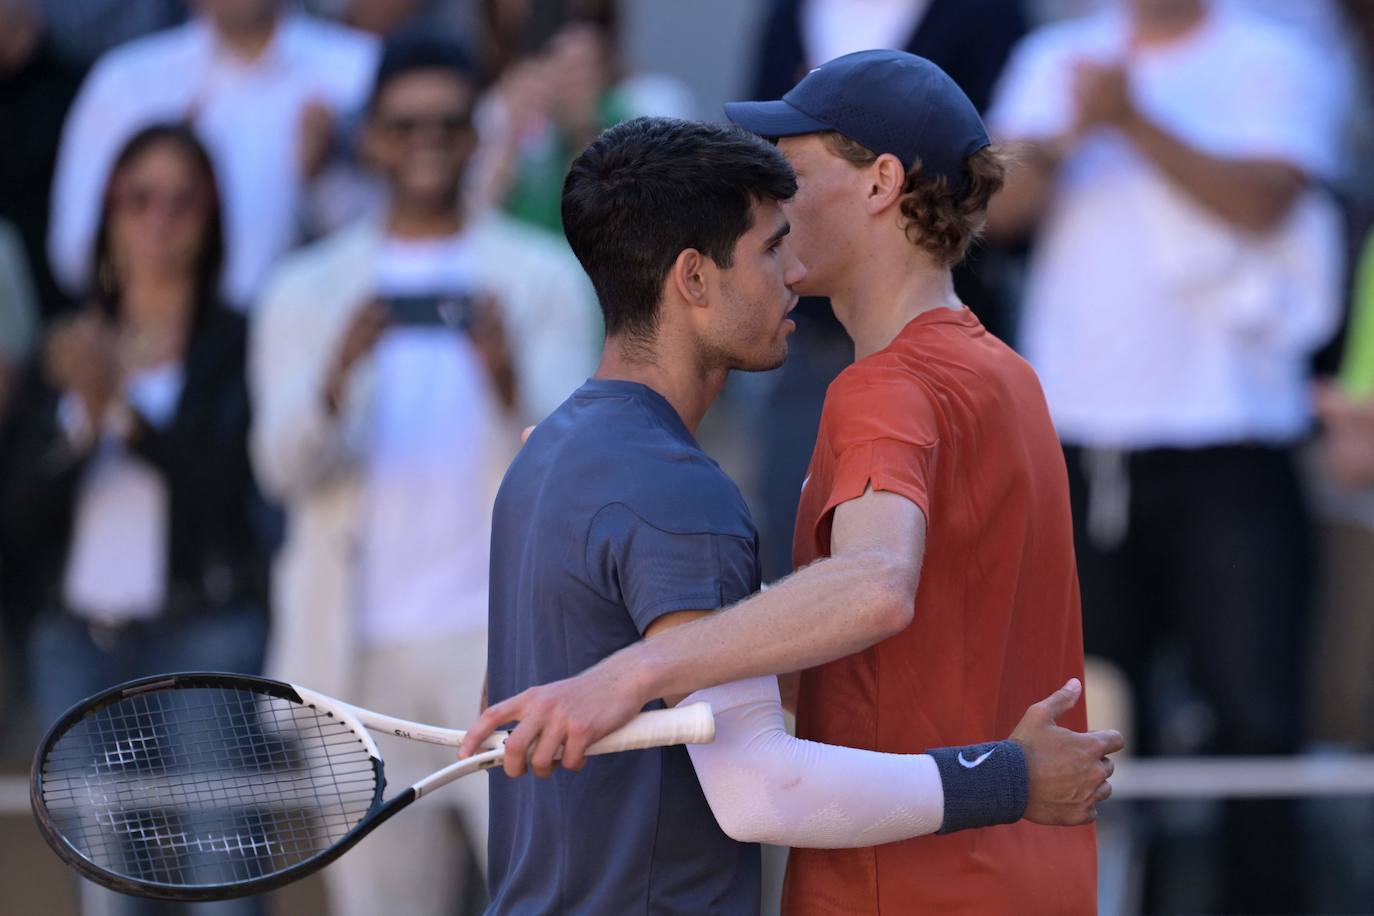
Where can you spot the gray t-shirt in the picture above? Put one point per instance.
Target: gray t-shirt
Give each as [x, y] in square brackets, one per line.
[610, 517]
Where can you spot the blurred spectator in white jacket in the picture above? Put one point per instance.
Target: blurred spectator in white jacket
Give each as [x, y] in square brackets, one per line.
[392, 367]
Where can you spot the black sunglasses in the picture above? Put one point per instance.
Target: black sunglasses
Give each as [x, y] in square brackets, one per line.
[406, 126]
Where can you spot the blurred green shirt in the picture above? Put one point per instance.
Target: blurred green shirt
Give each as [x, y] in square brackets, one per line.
[536, 196]
[1357, 365]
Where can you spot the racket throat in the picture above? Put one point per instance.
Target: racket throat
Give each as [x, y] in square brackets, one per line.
[390, 807]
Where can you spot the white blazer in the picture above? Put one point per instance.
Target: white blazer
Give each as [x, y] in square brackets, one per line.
[311, 462]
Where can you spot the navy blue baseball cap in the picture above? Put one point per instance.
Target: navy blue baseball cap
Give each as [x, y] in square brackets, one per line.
[889, 101]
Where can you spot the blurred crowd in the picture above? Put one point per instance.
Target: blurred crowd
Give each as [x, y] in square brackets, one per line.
[281, 282]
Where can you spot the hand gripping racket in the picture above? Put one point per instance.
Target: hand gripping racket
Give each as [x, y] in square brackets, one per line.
[205, 786]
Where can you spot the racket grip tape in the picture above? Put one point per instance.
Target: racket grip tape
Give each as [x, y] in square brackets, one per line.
[691, 724]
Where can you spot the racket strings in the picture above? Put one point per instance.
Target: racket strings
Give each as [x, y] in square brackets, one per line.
[205, 785]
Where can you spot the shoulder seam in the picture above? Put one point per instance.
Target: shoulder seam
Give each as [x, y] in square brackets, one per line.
[660, 528]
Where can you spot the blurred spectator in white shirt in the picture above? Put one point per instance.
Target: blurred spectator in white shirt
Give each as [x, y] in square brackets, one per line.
[1332, 32]
[392, 366]
[262, 85]
[1187, 264]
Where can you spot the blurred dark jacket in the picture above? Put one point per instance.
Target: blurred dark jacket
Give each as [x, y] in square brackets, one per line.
[216, 555]
[82, 30]
[33, 103]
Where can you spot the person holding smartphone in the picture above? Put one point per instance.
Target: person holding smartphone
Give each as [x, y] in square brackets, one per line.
[392, 366]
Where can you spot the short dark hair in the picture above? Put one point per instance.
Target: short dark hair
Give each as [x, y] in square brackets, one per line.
[417, 48]
[648, 189]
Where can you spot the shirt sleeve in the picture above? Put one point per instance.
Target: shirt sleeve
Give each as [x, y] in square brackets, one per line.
[655, 571]
[1284, 103]
[882, 430]
[1032, 100]
[296, 446]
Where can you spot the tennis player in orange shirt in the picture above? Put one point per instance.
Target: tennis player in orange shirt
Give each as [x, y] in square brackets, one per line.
[936, 448]
[936, 416]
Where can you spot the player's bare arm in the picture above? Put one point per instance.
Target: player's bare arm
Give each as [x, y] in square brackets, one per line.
[879, 532]
[791, 626]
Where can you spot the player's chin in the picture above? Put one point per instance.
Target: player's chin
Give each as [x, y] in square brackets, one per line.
[763, 361]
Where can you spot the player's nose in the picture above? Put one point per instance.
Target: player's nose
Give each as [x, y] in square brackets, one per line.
[795, 271]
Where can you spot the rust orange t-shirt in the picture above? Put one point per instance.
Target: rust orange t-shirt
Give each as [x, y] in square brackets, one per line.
[950, 418]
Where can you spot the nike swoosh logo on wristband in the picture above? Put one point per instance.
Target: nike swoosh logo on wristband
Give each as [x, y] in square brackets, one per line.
[967, 764]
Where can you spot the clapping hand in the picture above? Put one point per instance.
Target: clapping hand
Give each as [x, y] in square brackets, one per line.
[1103, 95]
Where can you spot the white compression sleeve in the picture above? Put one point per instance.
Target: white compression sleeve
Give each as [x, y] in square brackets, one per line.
[765, 786]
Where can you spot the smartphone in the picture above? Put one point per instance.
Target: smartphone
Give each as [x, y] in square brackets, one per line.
[450, 310]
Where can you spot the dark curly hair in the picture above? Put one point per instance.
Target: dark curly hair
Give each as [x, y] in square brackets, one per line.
[939, 220]
[650, 188]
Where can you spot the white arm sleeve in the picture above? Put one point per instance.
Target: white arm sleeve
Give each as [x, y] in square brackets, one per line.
[765, 786]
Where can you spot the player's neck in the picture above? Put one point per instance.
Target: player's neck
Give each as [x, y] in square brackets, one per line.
[874, 305]
[684, 383]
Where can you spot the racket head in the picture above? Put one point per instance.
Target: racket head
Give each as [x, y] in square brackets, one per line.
[206, 785]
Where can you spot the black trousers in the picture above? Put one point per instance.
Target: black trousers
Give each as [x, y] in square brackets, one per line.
[1208, 550]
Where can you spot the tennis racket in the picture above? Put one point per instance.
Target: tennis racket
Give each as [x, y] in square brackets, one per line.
[205, 786]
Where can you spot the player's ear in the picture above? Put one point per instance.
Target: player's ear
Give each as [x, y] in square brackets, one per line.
[886, 176]
[688, 276]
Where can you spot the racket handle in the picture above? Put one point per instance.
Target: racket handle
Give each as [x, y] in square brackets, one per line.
[692, 724]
